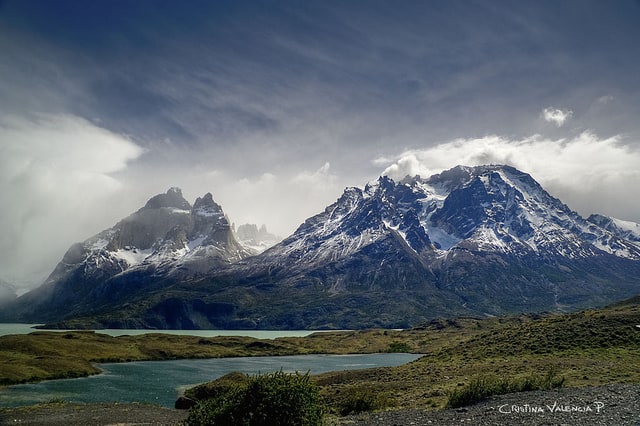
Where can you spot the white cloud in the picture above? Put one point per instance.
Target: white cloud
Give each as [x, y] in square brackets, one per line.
[282, 201]
[320, 177]
[606, 99]
[590, 174]
[556, 116]
[57, 184]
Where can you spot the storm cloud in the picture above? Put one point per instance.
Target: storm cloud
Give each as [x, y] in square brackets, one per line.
[54, 172]
[275, 107]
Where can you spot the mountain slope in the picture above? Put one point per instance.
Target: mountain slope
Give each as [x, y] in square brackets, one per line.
[482, 241]
[620, 228]
[166, 238]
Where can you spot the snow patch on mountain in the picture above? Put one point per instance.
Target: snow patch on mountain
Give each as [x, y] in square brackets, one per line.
[489, 208]
[441, 238]
[133, 256]
[167, 234]
[631, 228]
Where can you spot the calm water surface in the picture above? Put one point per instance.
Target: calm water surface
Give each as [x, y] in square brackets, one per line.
[258, 334]
[160, 382]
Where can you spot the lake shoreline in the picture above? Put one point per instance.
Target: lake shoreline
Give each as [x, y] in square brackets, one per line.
[619, 402]
[588, 348]
[162, 382]
[46, 355]
[25, 328]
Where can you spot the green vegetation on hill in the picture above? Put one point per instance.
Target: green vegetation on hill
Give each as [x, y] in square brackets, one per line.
[46, 355]
[581, 349]
[275, 399]
[586, 348]
[483, 387]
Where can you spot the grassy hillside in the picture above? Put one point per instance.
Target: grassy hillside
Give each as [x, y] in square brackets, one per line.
[586, 348]
[52, 355]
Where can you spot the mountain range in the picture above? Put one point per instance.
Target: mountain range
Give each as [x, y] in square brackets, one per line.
[258, 239]
[480, 241]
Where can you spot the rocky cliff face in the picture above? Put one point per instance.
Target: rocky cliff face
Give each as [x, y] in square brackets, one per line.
[620, 228]
[258, 239]
[479, 241]
[476, 241]
[166, 238]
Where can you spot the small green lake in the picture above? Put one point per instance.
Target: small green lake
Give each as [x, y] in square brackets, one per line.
[160, 382]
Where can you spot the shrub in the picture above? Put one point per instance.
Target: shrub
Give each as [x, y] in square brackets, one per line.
[358, 400]
[398, 347]
[276, 399]
[223, 409]
[483, 387]
[219, 386]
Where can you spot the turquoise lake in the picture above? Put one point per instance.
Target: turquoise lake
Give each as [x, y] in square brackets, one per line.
[160, 382]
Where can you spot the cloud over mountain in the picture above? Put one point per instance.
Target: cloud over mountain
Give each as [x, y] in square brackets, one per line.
[581, 170]
[54, 170]
[248, 100]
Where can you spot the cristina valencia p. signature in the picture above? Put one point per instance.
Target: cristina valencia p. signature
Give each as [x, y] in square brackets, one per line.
[596, 408]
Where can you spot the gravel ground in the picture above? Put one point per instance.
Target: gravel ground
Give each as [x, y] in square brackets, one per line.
[610, 405]
[92, 414]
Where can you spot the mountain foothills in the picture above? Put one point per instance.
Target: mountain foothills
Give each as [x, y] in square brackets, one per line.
[477, 241]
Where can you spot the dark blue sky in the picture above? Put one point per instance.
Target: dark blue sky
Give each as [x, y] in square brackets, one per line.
[275, 106]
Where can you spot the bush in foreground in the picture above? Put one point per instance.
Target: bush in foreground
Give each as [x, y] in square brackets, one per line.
[360, 400]
[483, 387]
[276, 399]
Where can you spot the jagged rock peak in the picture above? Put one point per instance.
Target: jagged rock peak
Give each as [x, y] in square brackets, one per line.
[205, 200]
[383, 182]
[250, 231]
[459, 175]
[172, 198]
[205, 206]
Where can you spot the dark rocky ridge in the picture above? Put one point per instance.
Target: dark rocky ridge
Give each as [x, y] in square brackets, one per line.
[476, 241]
[167, 239]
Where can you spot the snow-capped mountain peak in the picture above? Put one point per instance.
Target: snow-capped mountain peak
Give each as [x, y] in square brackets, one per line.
[172, 199]
[481, 240]
[205, 206]
[165, 235]
[491, 208]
